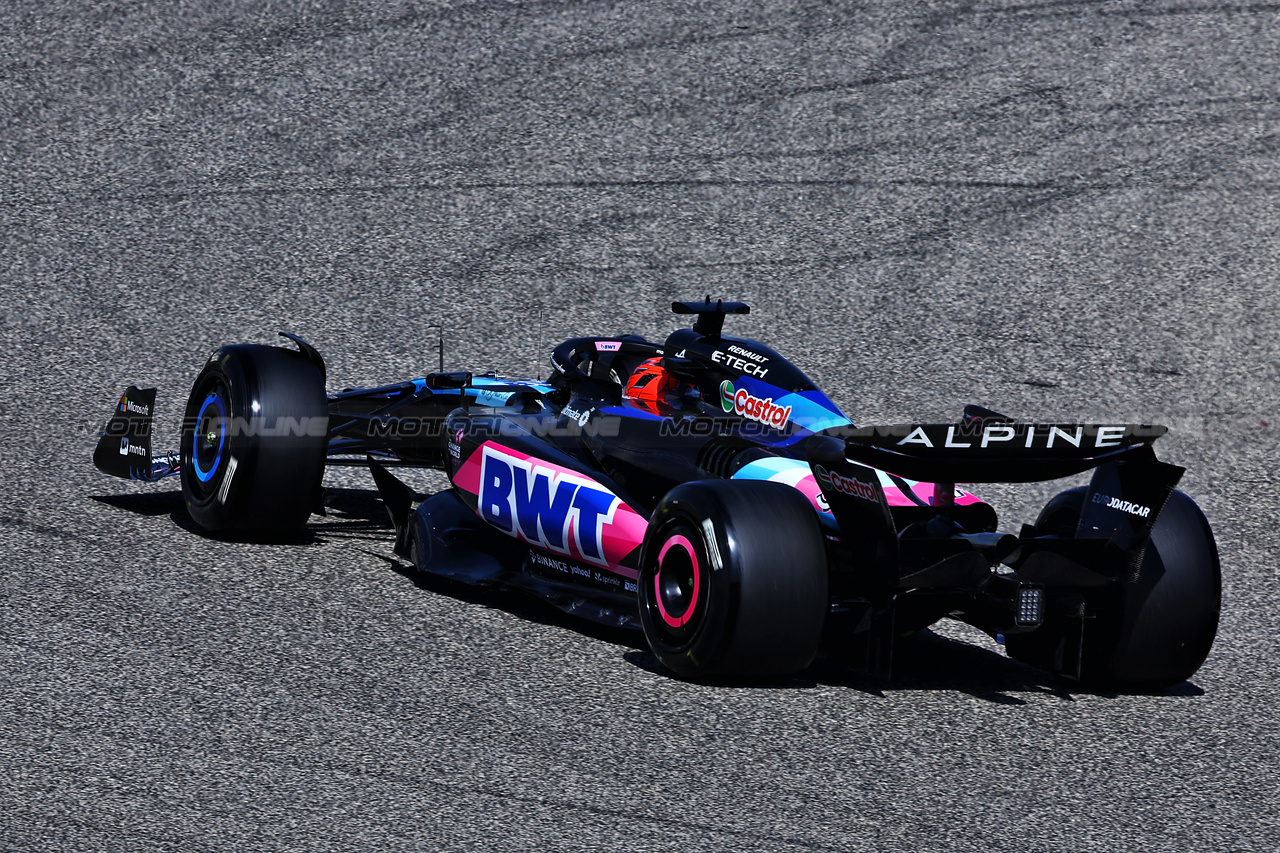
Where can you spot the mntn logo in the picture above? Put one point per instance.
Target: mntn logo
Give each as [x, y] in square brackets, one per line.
[545, 505]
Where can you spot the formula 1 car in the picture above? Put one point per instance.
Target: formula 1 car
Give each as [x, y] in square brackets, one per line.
[703, 490]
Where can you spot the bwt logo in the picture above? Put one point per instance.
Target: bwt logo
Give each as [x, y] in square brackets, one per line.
[545, 505]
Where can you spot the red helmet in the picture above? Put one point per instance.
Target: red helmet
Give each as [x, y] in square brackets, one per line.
[649, 386]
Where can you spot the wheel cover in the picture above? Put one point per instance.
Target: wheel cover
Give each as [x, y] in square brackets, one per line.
[677, 592]
[209, 438]
[677, 581]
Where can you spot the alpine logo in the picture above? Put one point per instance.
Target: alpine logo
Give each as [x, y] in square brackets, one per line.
[740, 402]
[1124, 506]
[847, 485]
[545, 506]
[1027, 436]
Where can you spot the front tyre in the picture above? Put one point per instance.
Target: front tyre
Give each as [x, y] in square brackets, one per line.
[254, 440]
[733, 580]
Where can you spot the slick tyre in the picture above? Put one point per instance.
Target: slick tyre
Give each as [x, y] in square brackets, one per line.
[1155, 632]
[254, 440]
[733, 580]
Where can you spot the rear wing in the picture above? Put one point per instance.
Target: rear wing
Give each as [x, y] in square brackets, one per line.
[980, 451]
[1128, 489]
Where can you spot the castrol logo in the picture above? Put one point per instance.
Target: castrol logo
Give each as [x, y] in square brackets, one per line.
[740, 402]
[847, 485]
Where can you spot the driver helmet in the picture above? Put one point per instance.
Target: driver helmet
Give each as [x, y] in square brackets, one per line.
[649, 386]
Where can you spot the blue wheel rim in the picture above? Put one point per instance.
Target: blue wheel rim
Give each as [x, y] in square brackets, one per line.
[210, 437]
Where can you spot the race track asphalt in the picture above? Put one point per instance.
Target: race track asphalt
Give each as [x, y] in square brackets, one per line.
[1061, 210]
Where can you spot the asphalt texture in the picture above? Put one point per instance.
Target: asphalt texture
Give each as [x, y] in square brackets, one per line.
[1060, 210]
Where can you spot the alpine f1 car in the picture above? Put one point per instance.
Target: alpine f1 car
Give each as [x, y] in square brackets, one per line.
[703, 490]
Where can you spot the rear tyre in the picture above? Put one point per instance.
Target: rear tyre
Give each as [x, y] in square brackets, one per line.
[1146, 635]
[254, 440]
[733, 580]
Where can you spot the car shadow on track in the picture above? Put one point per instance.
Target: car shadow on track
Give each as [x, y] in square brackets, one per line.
[927, 661]
[930, 661]
[171, 503]
[519, 604]
[348, 514]
[924, 661]
[148, 504]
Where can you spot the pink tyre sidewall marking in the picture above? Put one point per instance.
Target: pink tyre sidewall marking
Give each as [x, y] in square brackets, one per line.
[678, 621]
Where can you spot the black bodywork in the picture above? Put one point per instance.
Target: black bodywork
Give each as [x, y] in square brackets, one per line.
[552, 485]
